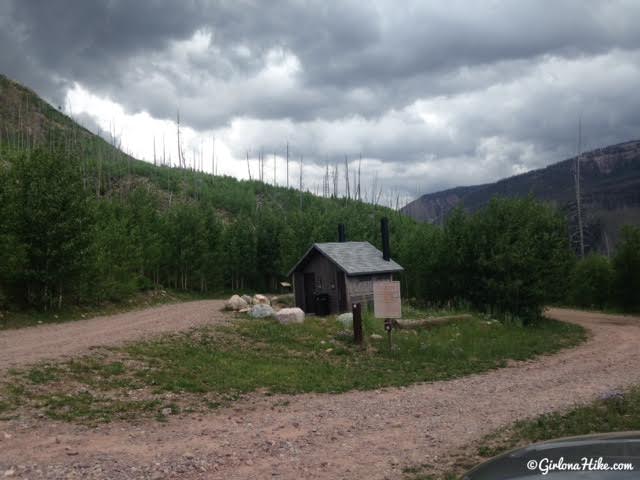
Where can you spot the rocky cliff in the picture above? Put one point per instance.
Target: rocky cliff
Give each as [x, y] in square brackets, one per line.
[610, 182]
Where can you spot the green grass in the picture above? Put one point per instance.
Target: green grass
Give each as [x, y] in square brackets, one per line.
[86, 407]
[20, 319]
[618, 412]
[211, 367]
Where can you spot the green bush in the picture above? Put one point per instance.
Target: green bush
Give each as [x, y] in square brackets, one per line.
[626, 265]
[591, 282]
[509, 259]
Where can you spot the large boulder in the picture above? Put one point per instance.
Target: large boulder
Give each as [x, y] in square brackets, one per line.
[236, 303]
[290, 315]
[260, 300]
[346, 319]
[285, 300]
[247, 299]
[261, 310]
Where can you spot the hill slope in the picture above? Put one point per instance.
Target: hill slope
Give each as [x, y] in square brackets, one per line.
[154, 225]
[610, 192]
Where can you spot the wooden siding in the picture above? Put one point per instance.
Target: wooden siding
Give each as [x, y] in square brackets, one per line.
[326, 278]
[298, 289]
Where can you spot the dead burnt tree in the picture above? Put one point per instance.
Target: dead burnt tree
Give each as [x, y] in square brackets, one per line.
[181, 160]
[578, 193]
[287, 164]
[346, 178]
[213, 155]
[164, 152]
[325, 180]
[275, 166]
[301, 169]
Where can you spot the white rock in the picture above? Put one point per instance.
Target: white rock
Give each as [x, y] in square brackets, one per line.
[290, 315]
[247, 299]
[236, 303]
[260, 299]
[346, 319]
[375, 336]
[9, 473]
[261, 311]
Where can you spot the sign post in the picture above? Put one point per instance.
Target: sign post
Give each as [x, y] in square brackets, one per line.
[387, 304]
[356, 309]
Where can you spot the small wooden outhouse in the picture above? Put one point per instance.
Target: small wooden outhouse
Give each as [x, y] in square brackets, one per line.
[331, 276]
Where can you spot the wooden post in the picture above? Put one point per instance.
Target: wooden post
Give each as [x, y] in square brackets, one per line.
[388, 326]
[356, 309]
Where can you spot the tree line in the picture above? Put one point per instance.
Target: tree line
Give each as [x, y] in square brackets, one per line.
[65, 241]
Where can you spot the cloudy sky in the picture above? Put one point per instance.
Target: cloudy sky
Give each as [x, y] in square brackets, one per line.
[431, 94]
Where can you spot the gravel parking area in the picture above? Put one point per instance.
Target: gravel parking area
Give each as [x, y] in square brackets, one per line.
[372, 434]
[46, 342]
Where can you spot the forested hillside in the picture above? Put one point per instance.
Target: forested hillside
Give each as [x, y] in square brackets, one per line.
[82, 223]
[139, 225]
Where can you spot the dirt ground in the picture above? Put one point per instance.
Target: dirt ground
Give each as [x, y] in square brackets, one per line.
[370, 435]
[44, 342]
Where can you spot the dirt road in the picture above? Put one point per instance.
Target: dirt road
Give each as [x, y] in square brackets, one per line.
[29, 345]
[369, 435]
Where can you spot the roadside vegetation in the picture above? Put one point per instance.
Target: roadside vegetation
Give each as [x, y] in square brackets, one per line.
[208, 367]
[598, 282]
[614, 412]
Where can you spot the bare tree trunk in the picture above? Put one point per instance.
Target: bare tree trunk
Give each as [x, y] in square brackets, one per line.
[213, 156]
[577, 188]
[164, 158]
[358, 189]
[346, 177]
[301, 167]
[181, 162]
[248, 165]
[287, 164]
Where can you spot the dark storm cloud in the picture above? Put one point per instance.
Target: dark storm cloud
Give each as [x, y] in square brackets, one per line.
[440, 87]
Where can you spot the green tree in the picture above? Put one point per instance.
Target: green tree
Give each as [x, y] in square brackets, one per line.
[522, 256]
[240, 253]
[47, 219]
[626, 264]
[591, 282]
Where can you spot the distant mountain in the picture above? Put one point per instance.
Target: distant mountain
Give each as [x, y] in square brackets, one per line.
[610, 193]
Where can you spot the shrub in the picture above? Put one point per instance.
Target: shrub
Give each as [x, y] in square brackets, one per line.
[591, 282]
[626, 265]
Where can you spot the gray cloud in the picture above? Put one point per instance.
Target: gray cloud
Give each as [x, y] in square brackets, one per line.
[458, 91]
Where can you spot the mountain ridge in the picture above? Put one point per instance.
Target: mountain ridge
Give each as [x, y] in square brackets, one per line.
[610, 183]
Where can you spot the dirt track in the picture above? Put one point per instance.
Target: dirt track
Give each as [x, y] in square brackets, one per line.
[353, 435]
[29, 345]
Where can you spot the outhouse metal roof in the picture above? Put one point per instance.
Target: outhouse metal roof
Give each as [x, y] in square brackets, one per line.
[353, 258]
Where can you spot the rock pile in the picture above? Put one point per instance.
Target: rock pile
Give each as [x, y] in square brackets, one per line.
[260, 306]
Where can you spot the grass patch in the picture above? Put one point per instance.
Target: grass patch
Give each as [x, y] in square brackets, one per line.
[318, 356]
[213, 366]
[88, 408]
[616, 412]
[28, 318]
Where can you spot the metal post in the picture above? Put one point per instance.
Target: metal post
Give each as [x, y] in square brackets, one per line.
[356, 310]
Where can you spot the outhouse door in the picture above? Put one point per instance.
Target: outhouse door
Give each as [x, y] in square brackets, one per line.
[309, 292]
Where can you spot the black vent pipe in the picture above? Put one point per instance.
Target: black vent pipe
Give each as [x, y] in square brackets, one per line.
[386, 250]
[342, 237]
